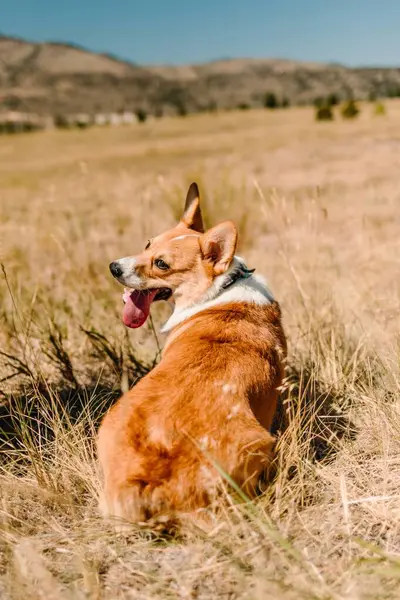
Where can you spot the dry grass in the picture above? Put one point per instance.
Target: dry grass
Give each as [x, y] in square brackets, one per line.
[318, 210]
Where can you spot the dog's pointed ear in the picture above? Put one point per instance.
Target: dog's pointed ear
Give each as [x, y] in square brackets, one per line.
[192, 213]
[218, 246]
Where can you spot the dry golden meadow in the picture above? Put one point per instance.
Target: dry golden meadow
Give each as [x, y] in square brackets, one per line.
[318, 210]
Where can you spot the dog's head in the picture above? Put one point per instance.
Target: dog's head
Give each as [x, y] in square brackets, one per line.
[180, 264]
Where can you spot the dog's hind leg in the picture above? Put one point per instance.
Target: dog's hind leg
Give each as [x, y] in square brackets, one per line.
[124, 505]
[257, 466]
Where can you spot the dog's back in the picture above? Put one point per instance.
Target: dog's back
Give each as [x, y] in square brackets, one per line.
[209, 402]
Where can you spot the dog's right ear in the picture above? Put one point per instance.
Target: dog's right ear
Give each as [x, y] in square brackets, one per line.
[218, 246]
[192, 214]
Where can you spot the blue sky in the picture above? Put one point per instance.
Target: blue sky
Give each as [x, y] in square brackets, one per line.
[354, 32]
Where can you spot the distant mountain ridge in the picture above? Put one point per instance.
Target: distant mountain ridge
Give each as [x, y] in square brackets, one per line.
[61, 78]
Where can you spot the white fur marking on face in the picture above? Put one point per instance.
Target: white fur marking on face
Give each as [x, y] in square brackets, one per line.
[181, 237]
[129, 276]
[253, 290]
[128, 262]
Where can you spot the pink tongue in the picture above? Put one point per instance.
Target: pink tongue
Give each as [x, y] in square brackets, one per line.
[137, 307]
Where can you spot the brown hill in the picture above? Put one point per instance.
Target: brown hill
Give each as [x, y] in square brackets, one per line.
[50, 78]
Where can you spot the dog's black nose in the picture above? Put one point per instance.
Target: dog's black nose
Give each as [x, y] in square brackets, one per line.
[115, 269]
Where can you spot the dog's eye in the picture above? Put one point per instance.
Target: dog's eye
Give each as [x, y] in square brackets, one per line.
[147, 245]
[160, 264]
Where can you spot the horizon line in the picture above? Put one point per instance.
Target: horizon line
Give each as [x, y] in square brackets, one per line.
[110, 54]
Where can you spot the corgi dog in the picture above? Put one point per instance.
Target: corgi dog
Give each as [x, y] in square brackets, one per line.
[203, 414]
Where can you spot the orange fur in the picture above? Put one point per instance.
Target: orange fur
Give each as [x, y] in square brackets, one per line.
[211, 399]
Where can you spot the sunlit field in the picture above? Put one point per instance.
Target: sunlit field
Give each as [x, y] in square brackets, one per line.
[317, 206]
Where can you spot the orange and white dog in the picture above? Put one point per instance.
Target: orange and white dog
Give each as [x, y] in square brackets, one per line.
[206, 409]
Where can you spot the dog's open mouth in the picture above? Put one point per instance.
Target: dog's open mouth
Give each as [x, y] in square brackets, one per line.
[137, 304]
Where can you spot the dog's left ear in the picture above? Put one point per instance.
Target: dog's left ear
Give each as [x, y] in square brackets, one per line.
[218, 246]
[192, 214]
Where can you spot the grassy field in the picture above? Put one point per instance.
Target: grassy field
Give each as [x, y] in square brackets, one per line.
[318, 210]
